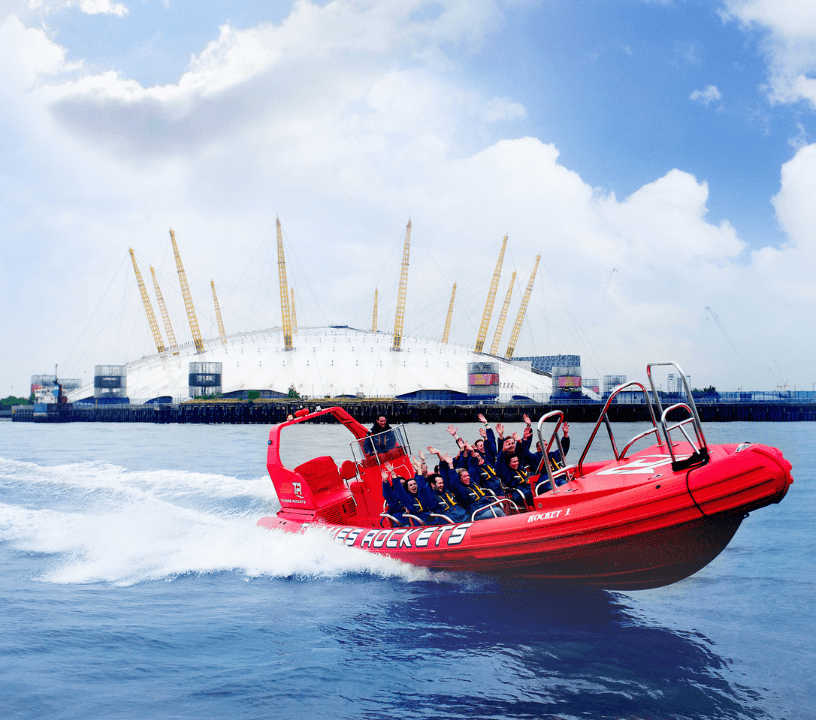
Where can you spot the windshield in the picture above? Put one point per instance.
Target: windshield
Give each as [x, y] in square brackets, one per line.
[382, 446]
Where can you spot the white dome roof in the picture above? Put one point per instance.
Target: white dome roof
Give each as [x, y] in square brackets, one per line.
[329, 361]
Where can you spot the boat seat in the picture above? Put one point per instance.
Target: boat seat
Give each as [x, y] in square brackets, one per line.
[321, 475]
[348, 470]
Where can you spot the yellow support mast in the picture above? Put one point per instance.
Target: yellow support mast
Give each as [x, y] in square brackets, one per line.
[522, 311]
[374, 318]
[446, 332]
[294, 314]
[403, 291]
[500, 325]
[286, 318]
[154, 326]
[168, 328]
[221, 333]
[188, 300]
[491, 298]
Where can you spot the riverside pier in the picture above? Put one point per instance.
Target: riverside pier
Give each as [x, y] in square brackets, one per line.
[269, 412]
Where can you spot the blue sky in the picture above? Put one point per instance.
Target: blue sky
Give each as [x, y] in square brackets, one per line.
[667, 141]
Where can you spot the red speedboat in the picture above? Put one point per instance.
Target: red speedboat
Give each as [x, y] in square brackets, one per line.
[642, 519]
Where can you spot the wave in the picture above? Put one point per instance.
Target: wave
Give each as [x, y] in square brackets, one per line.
[97, 522]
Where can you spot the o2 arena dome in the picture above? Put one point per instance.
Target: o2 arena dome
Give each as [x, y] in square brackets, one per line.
[319, 362]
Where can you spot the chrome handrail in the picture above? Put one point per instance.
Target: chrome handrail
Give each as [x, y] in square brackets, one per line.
[604, 418]
[690, 406]
[442, 515]
[545, 447]
[566, 470]
[486, 507]
[698, 451]
[414, 517]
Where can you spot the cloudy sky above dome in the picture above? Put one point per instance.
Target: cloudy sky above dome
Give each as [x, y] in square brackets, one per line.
[660, 156]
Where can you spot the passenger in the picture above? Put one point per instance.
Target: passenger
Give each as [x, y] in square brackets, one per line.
[488, 449]
[393, 494]
[461, 458]
[556, 461]
[419, 497]
[418, 505]
[447, 502]
[380, 438]
[484, 472]
[503, 442]
[470, 494]
[515, 479]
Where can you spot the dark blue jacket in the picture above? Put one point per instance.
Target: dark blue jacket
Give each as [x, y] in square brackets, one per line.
[423, 503]
[555, 456]
[486, 475]
[393, 499]
[449, 501]
[471, 496]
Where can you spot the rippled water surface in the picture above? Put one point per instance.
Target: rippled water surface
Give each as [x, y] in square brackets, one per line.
[135, 584]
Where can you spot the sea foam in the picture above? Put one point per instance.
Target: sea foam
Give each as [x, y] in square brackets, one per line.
[100, 523]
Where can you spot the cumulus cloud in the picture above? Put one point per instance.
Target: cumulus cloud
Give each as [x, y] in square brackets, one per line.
[707, 95]
[790, 28]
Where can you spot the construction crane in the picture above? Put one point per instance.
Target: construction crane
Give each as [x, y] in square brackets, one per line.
[374, 317]
[286, 317]
[221, 332]
[403, 291]
[522, 311]
[722, 330]
[168, 328]
[500, 325]
[294, 314]
[154, 326]
[446, 333]
[491, 297]
[188, 300]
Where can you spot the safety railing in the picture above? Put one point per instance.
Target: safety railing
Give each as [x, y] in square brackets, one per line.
[545, 463]
[604, 419]
[699, 446]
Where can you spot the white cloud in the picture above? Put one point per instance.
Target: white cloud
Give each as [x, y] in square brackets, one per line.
[790, 44]
[89, 7]
[706, 96]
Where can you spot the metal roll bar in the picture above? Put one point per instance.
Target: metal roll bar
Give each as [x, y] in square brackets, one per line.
[544, 464]
[604, 418]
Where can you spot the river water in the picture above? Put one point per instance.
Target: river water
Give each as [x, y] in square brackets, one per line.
[135, 584]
